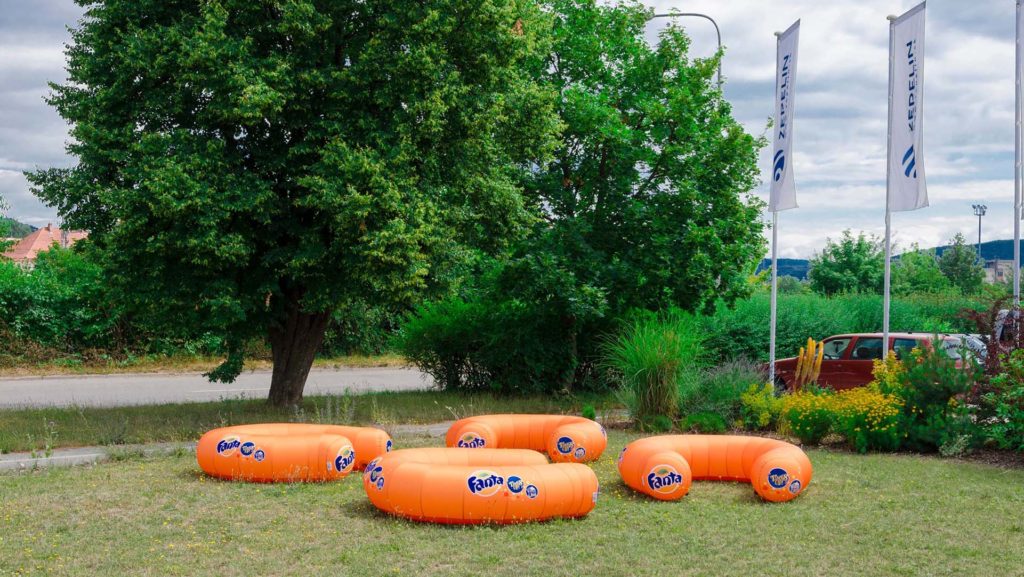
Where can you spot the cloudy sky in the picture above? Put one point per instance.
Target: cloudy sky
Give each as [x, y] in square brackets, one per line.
[839, 143]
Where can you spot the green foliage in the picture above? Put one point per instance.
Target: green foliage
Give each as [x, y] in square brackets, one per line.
[852, 265]
[1005, 404]
[790, 285]
[588, 412]
[650, 151]
[959, 262]
[868, 419]
[251, 168]
[706, 423]
[760, 407]
[917, 272]
[807, 415]
[933, 390]
[516, 335]
[741, 331]
[719, 389]
[651, 357]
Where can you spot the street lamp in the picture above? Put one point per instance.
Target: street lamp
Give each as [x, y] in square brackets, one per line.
[979, 211]
[718, 33]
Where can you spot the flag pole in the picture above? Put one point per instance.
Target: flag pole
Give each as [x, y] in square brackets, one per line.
[888, 192]
[775, 263]
[775, 297]
[1017, 172]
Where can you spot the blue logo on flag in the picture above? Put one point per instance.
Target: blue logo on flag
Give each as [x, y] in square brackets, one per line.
[910, 163]
[780, 165]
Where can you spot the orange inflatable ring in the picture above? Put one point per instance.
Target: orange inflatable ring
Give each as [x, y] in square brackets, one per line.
[288, 451]
[564, 438]
[461, 486]
[663, 467]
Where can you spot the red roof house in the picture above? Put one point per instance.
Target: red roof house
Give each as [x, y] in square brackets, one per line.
[42, 240]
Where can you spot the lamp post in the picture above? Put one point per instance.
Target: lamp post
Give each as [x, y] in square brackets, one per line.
[718, 33]
[979, 211]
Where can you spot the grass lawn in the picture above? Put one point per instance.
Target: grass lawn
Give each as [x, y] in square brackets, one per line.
[861, 515]
[176, 364]
[39, 429]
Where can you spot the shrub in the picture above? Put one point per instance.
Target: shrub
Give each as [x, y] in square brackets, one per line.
[719, 389]
[807, 415]
[1004, 425]
[868, 419]
[933, 390]
[760, 407]
[708, 423]
[652, 357]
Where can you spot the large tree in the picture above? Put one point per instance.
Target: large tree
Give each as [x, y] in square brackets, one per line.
[648, 196]
[251, 166]
[851, 264]
[917, 271]
[961, 265]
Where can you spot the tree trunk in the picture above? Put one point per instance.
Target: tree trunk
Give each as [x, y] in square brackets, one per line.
[293, 346]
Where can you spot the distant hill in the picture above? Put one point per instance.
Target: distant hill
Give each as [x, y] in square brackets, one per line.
[993, 249]
[16, 229]
[798, 267]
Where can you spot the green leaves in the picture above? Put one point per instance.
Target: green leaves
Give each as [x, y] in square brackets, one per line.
[238, 160]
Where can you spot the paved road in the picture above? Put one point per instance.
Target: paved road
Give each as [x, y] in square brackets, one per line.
[140, 389]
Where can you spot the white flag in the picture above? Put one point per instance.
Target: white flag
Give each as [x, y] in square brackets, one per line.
[783, 192]
[907, 190]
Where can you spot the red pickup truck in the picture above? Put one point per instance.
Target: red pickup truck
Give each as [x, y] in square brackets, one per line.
[848, 359]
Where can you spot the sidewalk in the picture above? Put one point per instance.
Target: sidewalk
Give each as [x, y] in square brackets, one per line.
[94, 455]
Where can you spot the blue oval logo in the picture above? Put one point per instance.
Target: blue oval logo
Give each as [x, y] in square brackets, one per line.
[778, 478]
[247, 448]
[515, 484]
[531, 491]
[795, 486]
[259, 456]
[387, 448]
[580, 453]
[565, 445]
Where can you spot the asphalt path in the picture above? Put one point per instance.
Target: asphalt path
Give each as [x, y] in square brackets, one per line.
[143, 389]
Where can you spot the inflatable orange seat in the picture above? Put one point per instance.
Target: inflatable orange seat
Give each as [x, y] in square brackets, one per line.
[288, 451]
[663, 467]
[461, 486]
[564, 438]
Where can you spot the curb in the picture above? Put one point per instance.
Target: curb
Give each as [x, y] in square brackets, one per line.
[86, 455]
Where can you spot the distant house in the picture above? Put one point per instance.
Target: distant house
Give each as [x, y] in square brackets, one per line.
[998, 271]
[25, 251]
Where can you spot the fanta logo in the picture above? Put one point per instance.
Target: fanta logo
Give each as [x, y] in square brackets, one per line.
[778, 478]
[380, 483]
[227, 446]
[471, 441]
[346, 457]
[516, 484]
[259, 455]
[580, 453]
[247, 448]
[531, 491]
[388, 447]
[485, 483]
[795, 486]
[565, 445]
[663, 479]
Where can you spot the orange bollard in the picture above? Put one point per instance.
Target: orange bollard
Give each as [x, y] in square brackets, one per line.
[665, 466]
[463, 486]
[563, 438]
[288, 451]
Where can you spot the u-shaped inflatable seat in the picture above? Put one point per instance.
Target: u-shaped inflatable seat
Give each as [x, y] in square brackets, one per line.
[462, 486]
[275, 452]
[663, 467]
[564, 438]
